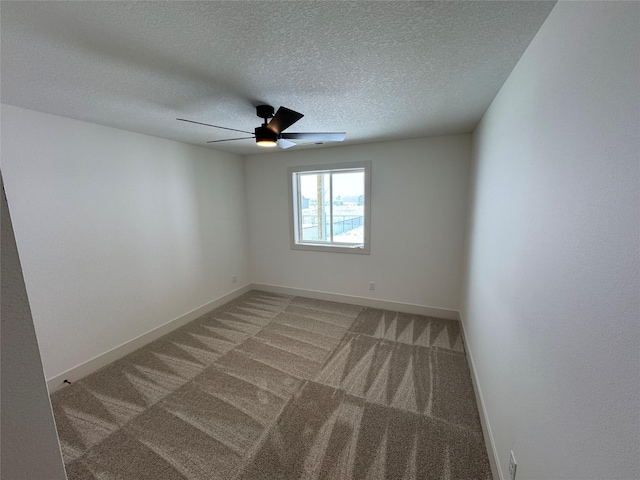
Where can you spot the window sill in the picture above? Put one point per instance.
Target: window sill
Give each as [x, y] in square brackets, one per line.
[318, 247]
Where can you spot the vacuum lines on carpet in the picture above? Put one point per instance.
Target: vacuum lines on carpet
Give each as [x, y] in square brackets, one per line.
[278, 387]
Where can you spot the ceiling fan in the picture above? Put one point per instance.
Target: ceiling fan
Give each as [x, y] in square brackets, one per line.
[270, 133]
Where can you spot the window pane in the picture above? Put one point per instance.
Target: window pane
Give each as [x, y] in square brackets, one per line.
[348, 207]
[314, 206]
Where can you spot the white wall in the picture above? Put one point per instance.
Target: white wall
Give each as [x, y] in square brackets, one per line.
[419, 207]
[118, 232]
[27, 428]
[552, 307]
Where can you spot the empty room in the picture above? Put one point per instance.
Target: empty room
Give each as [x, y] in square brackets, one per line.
[320, 240]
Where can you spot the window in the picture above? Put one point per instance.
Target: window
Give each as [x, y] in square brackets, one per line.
[330, 207]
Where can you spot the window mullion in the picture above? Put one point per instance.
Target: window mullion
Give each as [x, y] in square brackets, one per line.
[299, 200]
[331, 206]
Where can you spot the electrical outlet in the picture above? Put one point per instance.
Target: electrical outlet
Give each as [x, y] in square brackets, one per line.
[512, 466]
[372, 285]
[234, 278]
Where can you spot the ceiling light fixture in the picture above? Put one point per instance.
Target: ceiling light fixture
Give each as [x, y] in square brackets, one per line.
[265, 137]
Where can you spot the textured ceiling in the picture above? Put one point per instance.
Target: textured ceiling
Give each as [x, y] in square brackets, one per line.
[376, 70]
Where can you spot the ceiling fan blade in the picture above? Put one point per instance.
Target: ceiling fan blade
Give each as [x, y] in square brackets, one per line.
[214, 126]
[229, 139]
[316, 137]
[283, 119]
[282, 143]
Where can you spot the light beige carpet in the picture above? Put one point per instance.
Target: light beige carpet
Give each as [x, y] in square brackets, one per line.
[277, 387]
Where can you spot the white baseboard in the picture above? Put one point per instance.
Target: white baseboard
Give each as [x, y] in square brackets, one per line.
[90, 366]
[496, 471]
[362, 301]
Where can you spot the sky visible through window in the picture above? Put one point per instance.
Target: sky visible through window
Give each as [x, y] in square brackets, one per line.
[346, 184]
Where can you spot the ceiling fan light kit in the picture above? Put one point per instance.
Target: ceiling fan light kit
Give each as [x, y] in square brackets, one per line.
[266, 137]
[269, 134]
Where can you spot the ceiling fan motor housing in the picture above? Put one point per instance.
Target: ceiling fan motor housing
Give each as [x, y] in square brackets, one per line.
[264, 111]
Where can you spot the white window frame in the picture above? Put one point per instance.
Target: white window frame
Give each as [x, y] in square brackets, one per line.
[294, 208]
